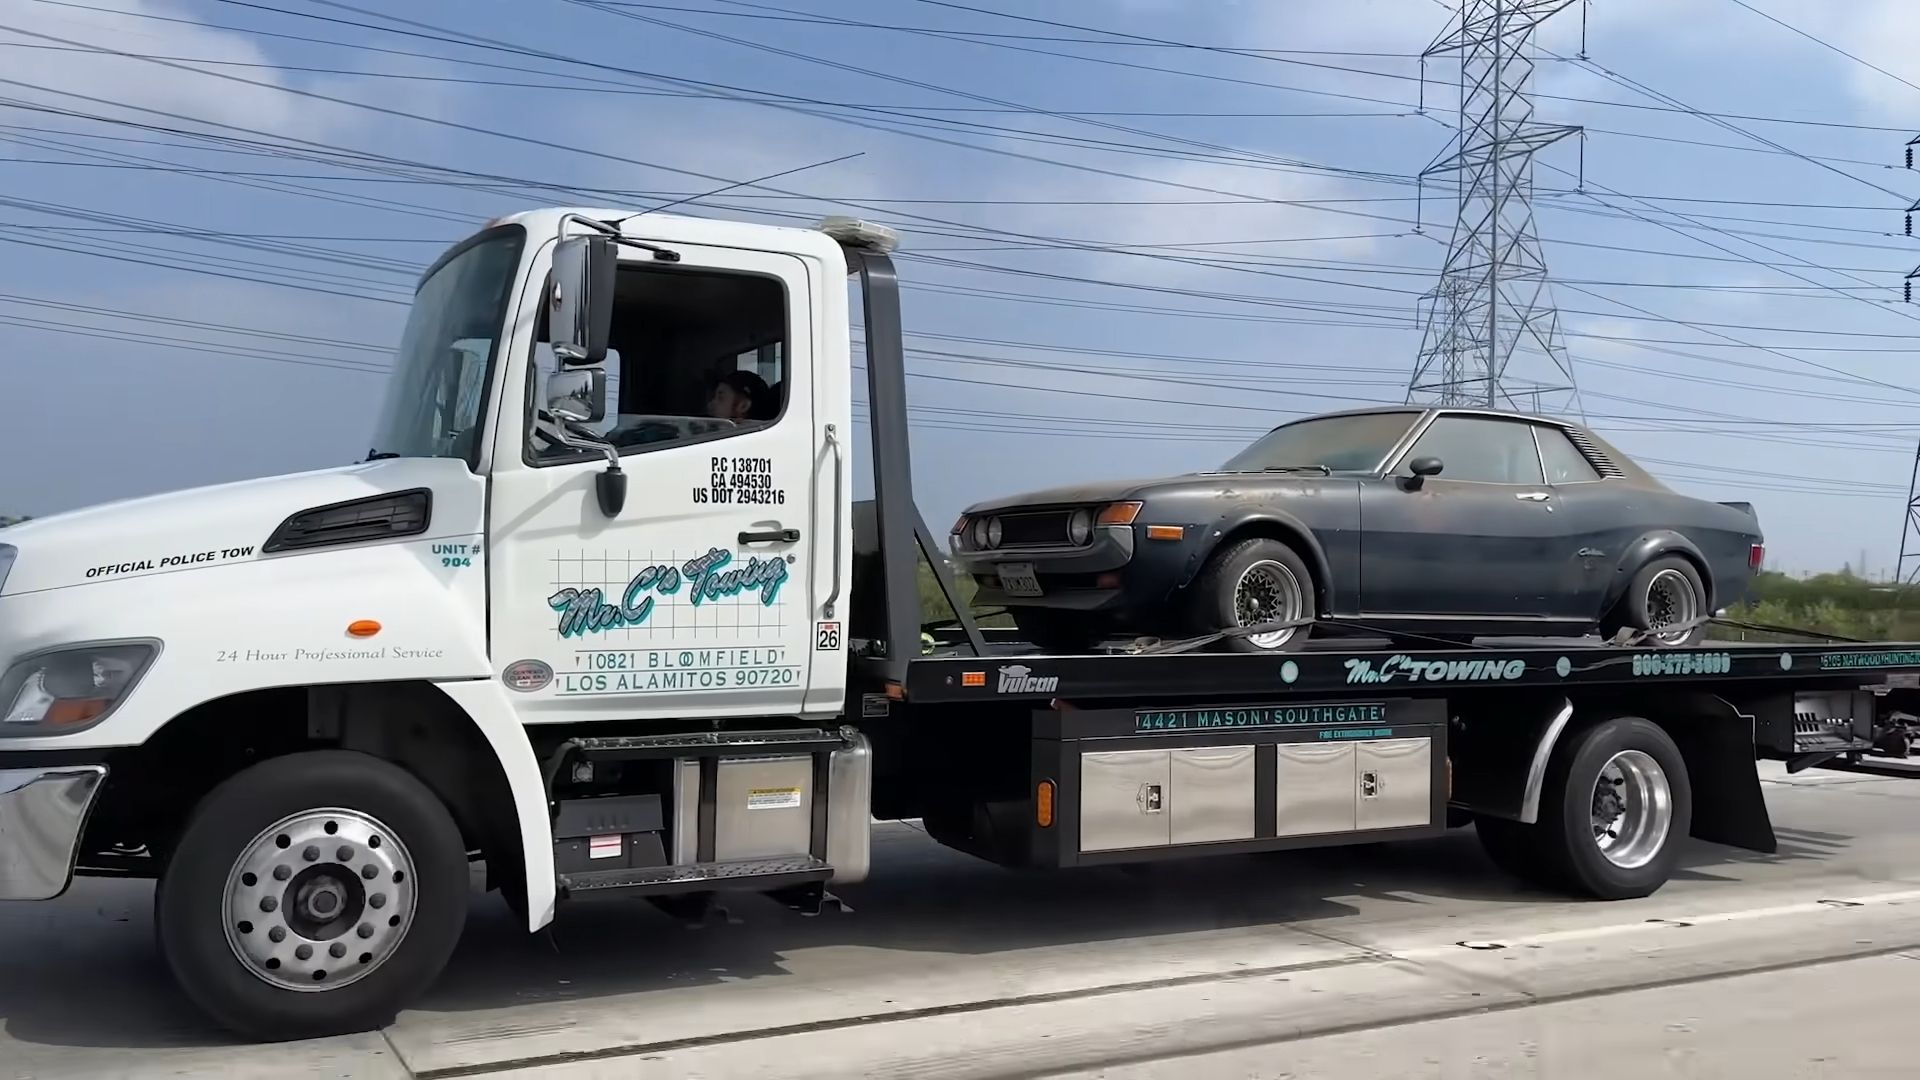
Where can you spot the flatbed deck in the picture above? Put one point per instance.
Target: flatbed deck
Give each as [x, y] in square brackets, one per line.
[1360, 666]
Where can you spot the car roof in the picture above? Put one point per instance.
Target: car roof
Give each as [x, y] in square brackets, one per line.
[1450, 410]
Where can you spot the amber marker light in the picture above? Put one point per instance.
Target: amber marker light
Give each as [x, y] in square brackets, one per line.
[363, 628]
[1043, 804]
[973, 678]
[1120, 513]
[1166, 532]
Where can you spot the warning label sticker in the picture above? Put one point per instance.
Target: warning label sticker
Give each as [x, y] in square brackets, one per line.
[773, 798]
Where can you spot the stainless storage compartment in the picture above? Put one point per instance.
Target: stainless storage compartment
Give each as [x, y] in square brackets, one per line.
[1394, 787]
[1314, 789]
[763, 806]
[1123, 799]
[1212, 797]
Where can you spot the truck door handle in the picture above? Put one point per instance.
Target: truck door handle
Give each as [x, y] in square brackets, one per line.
[771, 536]
[1533, 496]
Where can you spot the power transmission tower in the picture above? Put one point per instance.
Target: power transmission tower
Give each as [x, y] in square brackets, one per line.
[1492, 301]
[1907, 568]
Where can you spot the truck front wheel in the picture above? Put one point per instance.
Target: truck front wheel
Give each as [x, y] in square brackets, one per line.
[313, 894]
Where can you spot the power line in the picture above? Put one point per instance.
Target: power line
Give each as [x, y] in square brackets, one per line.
[1825, 44]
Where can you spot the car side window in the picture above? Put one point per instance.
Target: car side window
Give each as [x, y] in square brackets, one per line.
[693, 355]
[1479, 449]
[1564, 461]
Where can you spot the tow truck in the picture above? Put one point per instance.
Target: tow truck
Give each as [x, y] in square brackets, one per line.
[587, 620]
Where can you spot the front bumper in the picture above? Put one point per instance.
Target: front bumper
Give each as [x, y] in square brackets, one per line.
[1148, 572]
[41, 814]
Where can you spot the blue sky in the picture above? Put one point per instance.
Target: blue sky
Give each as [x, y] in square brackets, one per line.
[1732, 309]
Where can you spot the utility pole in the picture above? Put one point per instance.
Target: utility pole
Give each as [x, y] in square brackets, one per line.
[1492, 300]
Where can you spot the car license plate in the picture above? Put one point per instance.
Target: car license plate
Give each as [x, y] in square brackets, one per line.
[1018, 579]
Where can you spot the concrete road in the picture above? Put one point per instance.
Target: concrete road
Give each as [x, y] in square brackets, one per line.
[1393, 960]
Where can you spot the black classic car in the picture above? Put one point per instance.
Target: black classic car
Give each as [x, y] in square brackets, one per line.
[1418, 523]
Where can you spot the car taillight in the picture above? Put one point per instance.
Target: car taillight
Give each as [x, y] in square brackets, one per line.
[1756, 554]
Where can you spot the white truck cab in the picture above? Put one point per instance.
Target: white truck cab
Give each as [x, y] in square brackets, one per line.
[644, 529]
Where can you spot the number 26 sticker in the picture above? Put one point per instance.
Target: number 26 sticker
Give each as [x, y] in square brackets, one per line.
[826, 637]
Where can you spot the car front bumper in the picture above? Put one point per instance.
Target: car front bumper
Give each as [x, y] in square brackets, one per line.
[42, 812]
[1146, 571]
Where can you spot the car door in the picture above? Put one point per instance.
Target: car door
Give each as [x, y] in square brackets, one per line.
[1596, 517]
[1473, 540]
[694, 600]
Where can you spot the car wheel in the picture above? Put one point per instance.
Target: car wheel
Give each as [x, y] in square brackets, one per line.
[1667, 592]
[1056, 631]
[1251, 582]
[313, 894]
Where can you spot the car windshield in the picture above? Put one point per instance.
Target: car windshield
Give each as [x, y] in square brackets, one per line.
[1353, 443]
[436, 396]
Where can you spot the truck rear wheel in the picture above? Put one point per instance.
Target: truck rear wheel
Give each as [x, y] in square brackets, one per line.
[1614, 809]
[313, 894]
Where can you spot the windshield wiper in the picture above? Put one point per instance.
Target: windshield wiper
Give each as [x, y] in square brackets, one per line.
[1321, 469]
[380, 455]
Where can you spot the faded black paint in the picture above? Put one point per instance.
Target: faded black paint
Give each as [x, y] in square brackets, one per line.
[1436, 555]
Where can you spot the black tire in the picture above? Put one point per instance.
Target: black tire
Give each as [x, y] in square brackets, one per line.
[1634, 609]
[1211, 603]
[1055, 631]
[1563, 847]
[191, 902]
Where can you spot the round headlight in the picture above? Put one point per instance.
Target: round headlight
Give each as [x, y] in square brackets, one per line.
[1080, 527]
[980, 533]
[994, 532]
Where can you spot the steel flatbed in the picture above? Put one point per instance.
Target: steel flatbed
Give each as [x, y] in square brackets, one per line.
[1363, 667]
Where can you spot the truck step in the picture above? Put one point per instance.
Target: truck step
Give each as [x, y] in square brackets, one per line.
[758, 874]
[1812, 735]
[627, 747]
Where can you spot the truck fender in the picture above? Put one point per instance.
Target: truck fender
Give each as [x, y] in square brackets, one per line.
[1647, 548]
[485, 702]
[1264, 519]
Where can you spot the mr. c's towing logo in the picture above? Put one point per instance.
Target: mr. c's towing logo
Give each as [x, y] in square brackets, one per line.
[1405, 667]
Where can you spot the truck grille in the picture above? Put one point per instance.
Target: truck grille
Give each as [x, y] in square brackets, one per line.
[1042, 528]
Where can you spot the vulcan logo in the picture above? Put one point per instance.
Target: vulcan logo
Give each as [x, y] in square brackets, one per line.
[1411, 670]
[1020, 679]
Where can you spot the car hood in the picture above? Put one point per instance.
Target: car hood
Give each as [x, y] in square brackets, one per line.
[1092, 493]
[197, 527]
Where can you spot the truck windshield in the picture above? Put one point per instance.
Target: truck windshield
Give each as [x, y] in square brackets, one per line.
[1353, 443]
[436, 397]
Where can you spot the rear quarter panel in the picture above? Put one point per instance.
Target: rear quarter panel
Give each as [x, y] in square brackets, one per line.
[1721, 536]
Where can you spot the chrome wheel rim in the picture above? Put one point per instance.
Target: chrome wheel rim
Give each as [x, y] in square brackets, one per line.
[320, 900]
[1671, 601]
[1267, 592]
[1632, 809]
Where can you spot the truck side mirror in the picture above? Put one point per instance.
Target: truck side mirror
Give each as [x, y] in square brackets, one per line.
[578, 396]
[582, 315]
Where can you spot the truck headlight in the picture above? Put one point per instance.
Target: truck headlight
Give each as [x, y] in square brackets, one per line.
[69, 689]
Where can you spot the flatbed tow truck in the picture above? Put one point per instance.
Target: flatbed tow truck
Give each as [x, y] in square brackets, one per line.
[307, 704]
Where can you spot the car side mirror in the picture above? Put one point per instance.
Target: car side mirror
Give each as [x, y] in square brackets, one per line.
[1423, 467]
[582, 316]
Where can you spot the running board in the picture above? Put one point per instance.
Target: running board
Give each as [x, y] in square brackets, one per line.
[757, 875]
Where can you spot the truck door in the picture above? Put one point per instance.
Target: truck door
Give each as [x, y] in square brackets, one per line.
[696, 599]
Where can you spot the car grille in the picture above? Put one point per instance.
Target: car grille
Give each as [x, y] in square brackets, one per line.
[1044, 528]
